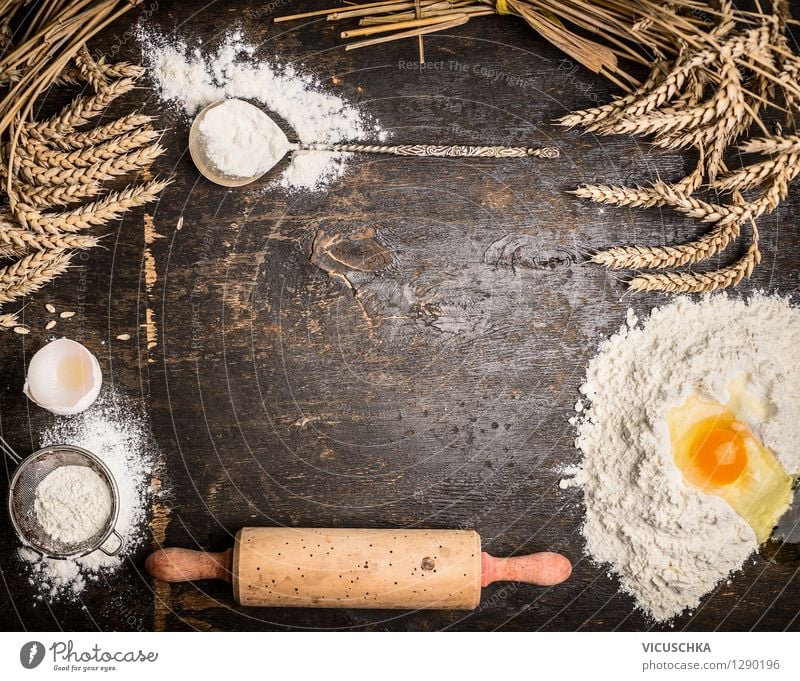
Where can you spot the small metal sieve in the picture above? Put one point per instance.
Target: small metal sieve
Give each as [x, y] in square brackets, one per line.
[22, 493]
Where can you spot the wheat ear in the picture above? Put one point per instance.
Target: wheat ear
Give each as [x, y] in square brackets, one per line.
[102, 133]
[33, 173]
[97, 212]
[81, 110]
[51, 197]
[699, 282]
[9, 320]
[30, 273]
[23, 240]
[90, 70]
[44, 156]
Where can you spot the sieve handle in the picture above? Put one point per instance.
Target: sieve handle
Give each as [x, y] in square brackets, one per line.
[120, 544]
[9, 452]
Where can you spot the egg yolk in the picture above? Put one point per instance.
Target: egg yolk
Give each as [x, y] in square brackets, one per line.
[719, 452]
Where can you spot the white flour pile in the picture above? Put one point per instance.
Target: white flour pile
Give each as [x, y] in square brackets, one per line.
[193, 78]
[668, 543]
[72, 504]
[120, 438]
[240, 140]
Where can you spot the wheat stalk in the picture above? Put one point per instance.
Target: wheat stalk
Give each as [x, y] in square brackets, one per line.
[663, 257]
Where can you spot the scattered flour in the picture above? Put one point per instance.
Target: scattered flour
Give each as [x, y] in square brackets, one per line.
[194, 78]
[121, 439]
[670, 544]
[72, 504]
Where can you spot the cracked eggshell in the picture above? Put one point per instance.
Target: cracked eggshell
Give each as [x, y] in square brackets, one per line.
[63, 377]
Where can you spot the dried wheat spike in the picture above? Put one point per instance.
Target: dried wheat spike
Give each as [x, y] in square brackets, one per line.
[614, 195]
[102, 133]
[756, 174]
[663, 257]
[699, 282]
[8, 320]
[54, 196]
[30, 273]
[726, 106]
[133, 161]
[23, 240]
[589, 118]
[124, 69]
[89, 156]
[90, 70]
[789, 144]
[95, 213]
[81, 110]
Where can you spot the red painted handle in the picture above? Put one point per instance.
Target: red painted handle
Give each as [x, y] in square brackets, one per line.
[542, 569]
[185, 565]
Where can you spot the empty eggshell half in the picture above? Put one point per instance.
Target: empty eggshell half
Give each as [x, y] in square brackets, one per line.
[63, 377]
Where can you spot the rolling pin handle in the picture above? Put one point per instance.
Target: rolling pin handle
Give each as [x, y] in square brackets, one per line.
[542, 569]
[185, 565]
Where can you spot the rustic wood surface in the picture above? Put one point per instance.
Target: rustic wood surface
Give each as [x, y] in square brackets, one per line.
[403, 350]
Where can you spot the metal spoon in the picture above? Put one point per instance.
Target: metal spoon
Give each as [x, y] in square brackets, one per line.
[207, 169]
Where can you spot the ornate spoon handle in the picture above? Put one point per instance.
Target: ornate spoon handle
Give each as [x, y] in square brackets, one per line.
[437, 150]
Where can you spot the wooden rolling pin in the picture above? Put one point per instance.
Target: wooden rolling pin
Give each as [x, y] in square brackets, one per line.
[341, 568]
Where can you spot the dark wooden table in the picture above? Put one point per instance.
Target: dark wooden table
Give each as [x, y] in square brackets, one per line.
[419, 372]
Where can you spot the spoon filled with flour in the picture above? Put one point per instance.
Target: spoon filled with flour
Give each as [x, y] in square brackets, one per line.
[234, 143]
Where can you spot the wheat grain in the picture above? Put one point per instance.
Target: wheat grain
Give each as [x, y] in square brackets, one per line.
[50, 308]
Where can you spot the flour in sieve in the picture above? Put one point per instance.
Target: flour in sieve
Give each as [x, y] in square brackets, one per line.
[72, 504]
[120, 437]
[193, 77]
[668, 543]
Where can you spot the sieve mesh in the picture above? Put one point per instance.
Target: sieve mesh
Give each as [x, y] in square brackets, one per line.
[22, 494]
